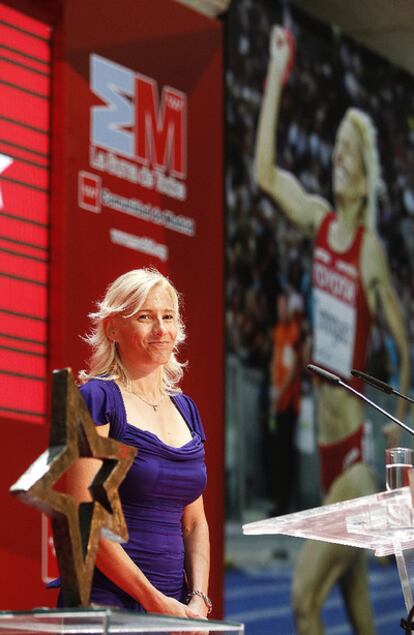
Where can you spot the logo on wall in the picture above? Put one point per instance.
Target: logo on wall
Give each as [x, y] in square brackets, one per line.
[89, 191]
[136, 135]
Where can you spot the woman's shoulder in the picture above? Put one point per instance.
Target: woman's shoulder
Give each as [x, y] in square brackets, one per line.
[185, 401]
[104, 401]
[190, 411]
[96, 385]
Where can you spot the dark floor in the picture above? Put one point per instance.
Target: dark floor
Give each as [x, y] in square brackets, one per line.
[259, 598]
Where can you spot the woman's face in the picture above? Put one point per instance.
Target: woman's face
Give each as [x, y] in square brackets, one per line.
[148, 337]
[349, 178]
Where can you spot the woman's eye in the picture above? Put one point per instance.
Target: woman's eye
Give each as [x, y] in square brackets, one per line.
[144, 317]
[169, 316]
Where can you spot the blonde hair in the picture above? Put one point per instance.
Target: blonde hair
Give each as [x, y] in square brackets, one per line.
[125, 296]
[370, 158]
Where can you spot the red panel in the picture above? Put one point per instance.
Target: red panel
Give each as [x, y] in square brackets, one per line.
[22, 21]
[29, 62]
[24, 107]
[24, 212]
[23, 393]
[22, 326]
[24, 267]
[24, 136]
[16, 361]
[28, 174]
[25, 78]
[20, 536]
[15, 151]
[141, 45]
[37, 257]
[22, 296]
[25, 345]
[25, 232]
[24, 42]
[24, 201]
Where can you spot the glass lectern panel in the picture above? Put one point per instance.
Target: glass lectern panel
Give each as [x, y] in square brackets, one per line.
[105, 621]
[374, 522]
[383, 522]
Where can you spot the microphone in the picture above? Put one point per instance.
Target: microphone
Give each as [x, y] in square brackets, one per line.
[381, 385]
[372, 381]
[334, 379]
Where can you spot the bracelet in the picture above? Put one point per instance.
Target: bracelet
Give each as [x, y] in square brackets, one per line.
[204, 597]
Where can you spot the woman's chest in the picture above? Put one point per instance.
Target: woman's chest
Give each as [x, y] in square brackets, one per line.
[164, 477]
[164, 420]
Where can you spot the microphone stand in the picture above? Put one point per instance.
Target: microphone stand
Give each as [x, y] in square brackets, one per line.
[334, 379]
[406, 624]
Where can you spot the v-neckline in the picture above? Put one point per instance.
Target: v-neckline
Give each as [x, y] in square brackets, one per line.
[135, 427]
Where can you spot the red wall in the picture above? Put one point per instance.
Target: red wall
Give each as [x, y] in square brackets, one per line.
[167, 64]
[25, 86]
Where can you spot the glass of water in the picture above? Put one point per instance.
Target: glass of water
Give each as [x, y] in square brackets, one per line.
[398, 463]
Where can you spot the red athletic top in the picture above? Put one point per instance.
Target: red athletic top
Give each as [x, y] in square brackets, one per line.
[342, 319]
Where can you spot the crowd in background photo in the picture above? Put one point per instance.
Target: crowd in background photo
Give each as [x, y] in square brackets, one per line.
[266, 254]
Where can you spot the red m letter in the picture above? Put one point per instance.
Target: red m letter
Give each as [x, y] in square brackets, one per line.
[160, 133]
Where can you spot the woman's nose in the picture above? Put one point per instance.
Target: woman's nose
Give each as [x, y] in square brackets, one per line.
[158, 325]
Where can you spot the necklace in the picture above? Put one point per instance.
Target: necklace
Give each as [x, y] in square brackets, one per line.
[154, 406]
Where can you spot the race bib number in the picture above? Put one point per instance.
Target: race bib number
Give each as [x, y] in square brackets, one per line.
[334, 333]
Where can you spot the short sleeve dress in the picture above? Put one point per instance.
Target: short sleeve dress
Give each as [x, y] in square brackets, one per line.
[160, 483]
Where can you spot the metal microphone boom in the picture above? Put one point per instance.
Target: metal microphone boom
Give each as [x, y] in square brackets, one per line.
[381, 385]
[334, 379]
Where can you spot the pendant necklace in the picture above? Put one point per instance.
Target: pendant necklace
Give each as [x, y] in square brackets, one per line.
[154, 406]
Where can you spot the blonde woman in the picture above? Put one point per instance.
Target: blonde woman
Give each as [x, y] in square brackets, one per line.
[350, 280]
[131, 389]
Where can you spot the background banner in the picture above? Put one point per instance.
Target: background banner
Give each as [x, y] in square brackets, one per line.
[311, 277]
[137, 181]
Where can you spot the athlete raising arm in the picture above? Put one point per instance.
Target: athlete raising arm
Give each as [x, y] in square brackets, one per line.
[351, 283]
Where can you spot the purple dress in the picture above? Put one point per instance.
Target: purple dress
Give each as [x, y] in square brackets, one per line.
[160, 483]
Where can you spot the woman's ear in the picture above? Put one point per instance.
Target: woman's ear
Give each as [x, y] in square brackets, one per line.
[111, 330]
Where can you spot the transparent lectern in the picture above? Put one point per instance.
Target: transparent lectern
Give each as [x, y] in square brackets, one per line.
[383, 522]
[105, 621]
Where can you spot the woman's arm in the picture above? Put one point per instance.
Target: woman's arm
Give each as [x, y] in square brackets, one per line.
[112, 559]
[376, 273]
[303, 209]
[197, 553]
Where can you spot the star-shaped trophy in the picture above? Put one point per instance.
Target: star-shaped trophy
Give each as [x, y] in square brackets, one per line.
[77, 526]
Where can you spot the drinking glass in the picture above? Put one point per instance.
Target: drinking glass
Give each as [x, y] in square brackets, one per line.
[398, 463]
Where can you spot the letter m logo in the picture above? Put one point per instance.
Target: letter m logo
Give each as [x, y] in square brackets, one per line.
[161, 130]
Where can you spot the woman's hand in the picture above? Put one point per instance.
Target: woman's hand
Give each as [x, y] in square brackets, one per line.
[164, 605]
[169, 606]
[197, 605]
[282, 50]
